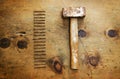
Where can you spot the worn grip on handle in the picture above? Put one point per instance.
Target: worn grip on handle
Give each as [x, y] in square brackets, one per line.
[74, 43]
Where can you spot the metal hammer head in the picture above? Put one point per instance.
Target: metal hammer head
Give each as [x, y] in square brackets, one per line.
[74, 12]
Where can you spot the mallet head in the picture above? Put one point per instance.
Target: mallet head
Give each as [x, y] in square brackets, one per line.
[74, 12]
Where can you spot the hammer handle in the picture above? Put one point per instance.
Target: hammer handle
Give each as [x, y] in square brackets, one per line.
[74, 43]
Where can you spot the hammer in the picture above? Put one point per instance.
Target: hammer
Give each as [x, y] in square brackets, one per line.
[73, 14]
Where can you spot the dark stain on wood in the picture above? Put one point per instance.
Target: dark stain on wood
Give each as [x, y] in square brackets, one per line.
[58, 67]
[82, 33]
[55, 64]
[94, 60]
[22, 44]
[5, 43]
[112, 33]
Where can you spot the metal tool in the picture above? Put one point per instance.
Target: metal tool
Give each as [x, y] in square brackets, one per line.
[73, 14]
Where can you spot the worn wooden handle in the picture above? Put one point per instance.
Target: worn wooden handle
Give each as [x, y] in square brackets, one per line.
[74, 43]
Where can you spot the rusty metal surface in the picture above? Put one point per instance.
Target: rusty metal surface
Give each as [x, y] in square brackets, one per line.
[99, 49]
[74, 12]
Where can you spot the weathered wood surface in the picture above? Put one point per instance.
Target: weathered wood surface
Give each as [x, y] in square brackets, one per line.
[99, 54]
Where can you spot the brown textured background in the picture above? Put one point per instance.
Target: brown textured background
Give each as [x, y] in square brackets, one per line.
[101, 15]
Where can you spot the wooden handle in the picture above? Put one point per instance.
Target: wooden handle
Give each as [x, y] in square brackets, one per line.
[74, 43]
